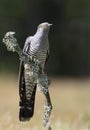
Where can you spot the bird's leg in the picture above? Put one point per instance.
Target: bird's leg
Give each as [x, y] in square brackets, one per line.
[47, 110]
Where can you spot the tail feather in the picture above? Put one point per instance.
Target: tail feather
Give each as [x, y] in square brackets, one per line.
[26, 106]
[27, 109]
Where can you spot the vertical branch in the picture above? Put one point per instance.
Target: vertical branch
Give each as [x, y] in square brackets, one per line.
[47, 109]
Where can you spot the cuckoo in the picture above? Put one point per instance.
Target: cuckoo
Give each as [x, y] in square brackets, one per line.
[36, 46]
[31, 73]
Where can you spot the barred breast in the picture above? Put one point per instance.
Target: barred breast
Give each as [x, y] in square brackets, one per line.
[39, 54]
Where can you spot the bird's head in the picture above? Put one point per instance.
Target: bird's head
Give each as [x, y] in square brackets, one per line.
[44, 26]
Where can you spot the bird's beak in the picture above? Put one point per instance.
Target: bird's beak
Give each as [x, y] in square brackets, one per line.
[50, 24]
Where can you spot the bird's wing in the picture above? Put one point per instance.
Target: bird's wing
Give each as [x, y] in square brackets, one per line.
[27, 44]
[21, 67]
[25, 113]
[47, 55]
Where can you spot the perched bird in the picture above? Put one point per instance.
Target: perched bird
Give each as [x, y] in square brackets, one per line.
[36, 46]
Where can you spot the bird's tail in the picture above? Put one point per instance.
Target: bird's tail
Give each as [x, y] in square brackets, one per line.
[26, 106]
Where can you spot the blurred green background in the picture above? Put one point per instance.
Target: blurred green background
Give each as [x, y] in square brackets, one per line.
[69, 35]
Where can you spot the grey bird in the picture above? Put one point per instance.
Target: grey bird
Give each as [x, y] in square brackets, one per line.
[36, 46]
